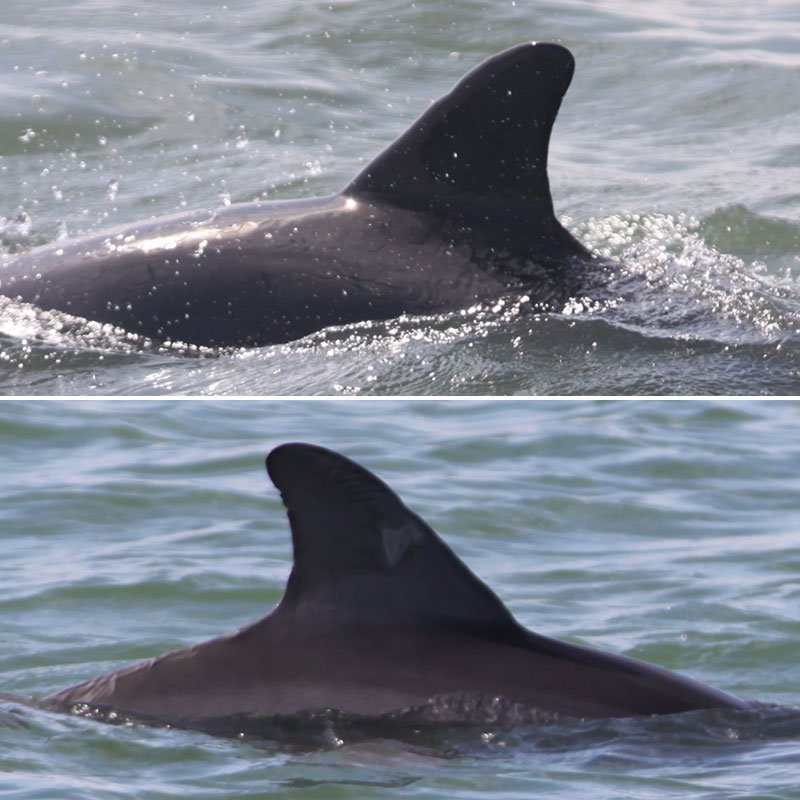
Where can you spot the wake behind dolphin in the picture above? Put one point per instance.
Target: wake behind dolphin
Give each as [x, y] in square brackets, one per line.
[379, 618]
[457, 211]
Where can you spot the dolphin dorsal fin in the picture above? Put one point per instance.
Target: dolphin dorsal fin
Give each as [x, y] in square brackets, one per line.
[361, 555]
[488, 138]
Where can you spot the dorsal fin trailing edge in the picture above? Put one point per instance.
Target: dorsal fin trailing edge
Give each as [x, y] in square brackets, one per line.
[361, 556]
[487, 140]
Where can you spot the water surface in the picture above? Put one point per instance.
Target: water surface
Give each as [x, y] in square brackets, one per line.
[676, 152]
[667, 531]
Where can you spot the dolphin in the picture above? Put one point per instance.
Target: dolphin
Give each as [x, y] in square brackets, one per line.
[455, 212]
[379, 616]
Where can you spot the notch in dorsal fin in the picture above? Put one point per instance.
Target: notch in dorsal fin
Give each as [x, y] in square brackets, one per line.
[488, 138]
[361, 555]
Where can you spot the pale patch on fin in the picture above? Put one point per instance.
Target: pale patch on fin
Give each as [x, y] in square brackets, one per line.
[397, 540]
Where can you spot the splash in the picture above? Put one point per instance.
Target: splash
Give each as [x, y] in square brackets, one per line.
[35, 337]
[670, 282]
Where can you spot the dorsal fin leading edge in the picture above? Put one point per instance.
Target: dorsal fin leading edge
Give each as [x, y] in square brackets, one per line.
[487, 138]
[361, 556]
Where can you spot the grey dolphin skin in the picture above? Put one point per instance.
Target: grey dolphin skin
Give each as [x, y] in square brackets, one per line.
[379, 616]
[455, 212]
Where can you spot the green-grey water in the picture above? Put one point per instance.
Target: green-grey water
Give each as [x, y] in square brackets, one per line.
[675, 152]
[664, 530]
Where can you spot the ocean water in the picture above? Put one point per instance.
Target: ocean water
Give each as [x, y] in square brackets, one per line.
[675, 152]
[664, 530]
